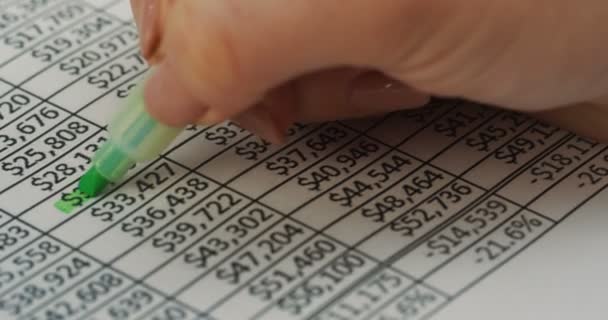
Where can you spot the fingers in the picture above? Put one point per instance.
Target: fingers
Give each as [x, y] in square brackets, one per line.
[586, 119]
[149, 17]
[136, 8]
[336, 94]
[271, 118]
[229, 54]
[169, 101]
[351, 93]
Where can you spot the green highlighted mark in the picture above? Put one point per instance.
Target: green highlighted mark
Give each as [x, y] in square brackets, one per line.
[91, 184]
[71, 201]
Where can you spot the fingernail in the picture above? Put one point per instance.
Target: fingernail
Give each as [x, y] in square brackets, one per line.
[168, 101]
[149, 27]
[261, 123]
[136, 8]
[374, 90]
[211, 117]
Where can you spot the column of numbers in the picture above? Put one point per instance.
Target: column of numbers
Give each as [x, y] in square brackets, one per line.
[21, 266]
[290, 161]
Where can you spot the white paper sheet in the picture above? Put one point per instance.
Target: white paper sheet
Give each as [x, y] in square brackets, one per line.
[453, 211]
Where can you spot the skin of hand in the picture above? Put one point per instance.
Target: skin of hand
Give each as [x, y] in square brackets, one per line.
[268, 63]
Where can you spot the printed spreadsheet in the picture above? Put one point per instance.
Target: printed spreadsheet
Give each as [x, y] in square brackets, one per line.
[394, 217]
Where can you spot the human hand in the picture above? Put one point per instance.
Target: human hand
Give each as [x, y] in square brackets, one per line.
[266, 64]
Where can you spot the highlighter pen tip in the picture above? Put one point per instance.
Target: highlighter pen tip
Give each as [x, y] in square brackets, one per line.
[92, 183]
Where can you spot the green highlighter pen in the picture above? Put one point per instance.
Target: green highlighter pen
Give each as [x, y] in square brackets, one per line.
[134, 137]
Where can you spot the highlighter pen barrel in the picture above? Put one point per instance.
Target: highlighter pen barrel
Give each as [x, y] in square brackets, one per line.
[134, 137]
